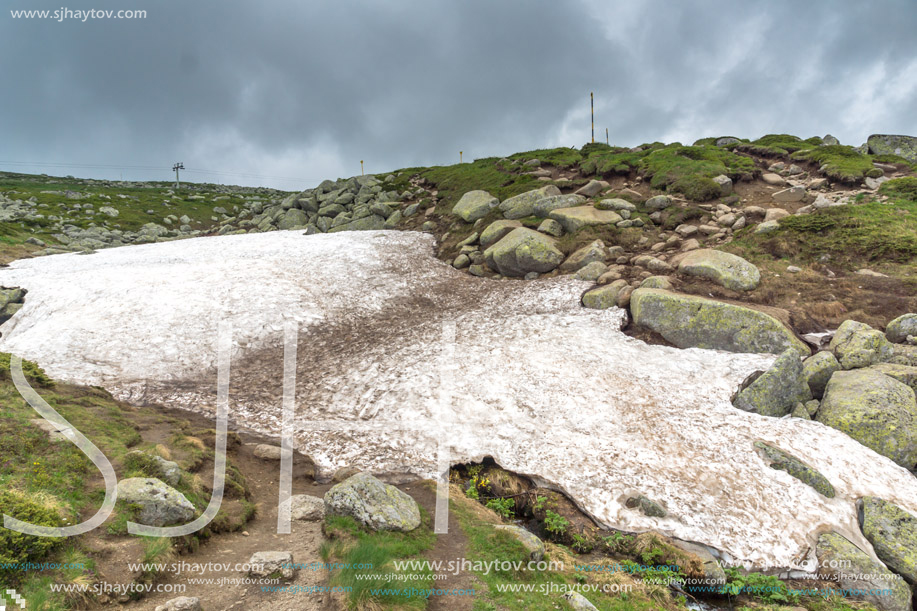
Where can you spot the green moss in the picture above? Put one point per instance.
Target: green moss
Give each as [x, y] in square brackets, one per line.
[485, 174]
[775, 145]
[900, 189]
[688, 169]
[33, 373]
[841, 163]
[561, 157]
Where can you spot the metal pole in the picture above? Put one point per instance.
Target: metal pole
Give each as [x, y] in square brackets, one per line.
[361, 168]
[592, 115]
[178, 166]
[606, 135]
[460, 156]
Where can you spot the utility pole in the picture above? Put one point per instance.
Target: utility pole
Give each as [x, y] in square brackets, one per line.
[178, 166]
[592, 114]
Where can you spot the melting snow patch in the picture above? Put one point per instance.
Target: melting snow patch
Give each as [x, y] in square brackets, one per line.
[545, 387]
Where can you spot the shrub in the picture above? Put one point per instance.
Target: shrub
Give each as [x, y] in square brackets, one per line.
[503, 507]
[16, 547]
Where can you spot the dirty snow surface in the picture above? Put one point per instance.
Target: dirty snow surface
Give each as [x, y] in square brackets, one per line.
[545, 387]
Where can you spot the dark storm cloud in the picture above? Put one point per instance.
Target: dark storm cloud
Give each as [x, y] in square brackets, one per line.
[307, 89]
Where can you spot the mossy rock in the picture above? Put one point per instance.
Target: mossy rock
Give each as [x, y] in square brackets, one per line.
[473, 206]
[783, 461]
[778, 390]
[818, 369]
[523, 205]
[726, 269]
[876, 410]
[893, 534]
[373, 503]
[864, 578]
[688, 321]
[522, 251]
[858, 345]
[902, 146]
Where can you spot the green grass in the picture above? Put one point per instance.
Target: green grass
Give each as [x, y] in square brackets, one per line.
[354, 545]
[453, 181]
[900, 189]
[841, 163]
[561, 157]
[776, 145]
[854, 234]
[689, 169]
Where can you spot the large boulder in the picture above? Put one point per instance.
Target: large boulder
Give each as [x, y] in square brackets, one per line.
[695, 322]
[167, 470]
[590, 253]
[899, 329]
[159, 503]
[367, 223]
[818, 369]
[906, 374]
[574, 219]
[373, 503]
[603, 297]
[776, 391]
[592, 188]
[855, 571]
[523, 205]
[876, 410]
[544, 207]
[494, 232]
[474, 205]
[726, 269]
[903, 146]
[276, 565]
[294, 218]
[306, 508]
[522, 251]
[857, 345]
[893, 534]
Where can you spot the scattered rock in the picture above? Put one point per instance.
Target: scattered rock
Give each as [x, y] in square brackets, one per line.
[857, 573]
[898, 330]
[551, 227]
[373, 503]
[266, 451]
[543, 207]
[856, 344]
[603, 297]
[590, 272]
[473, 206]
[306, 508]
[578, 602]
[167, 470]
[592, 188]
[659, 202]
[783, 461]
[523, 250]
[726, 269]
[876, 410]
[790, 195]
[817, 370]
[773, 179]
[272, 564]
[594, 251]
[616, 204]
[574, 219]
[646, 506]
[725, 184]
[893, 534]
[657, 282]
[776, 391]
[523, 205]
[182, 603]
[905, 374]
[159, 504]
[495, 232]
[688, 321]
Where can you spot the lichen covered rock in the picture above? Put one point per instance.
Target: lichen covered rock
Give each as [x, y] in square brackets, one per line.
[778, 459]
[695, 322]
[373, 503]
[854, 570]
[876, 410]
[726, 269]
[473, 206]
[776, 391]
[159, 504]
[817, 370]
[522, 251]
[893, 534]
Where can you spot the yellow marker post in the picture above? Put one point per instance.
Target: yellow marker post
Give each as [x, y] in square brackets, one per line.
[361, 168]
[606, 135]
[592, 114]
[460, 156]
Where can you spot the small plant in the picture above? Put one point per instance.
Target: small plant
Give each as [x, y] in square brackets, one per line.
[582, 544]
[764, 587]
[555, 523]
[503, 507]
[472, 492]
[538, 505]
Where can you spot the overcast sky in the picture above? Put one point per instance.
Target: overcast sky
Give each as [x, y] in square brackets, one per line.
[306, 89]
